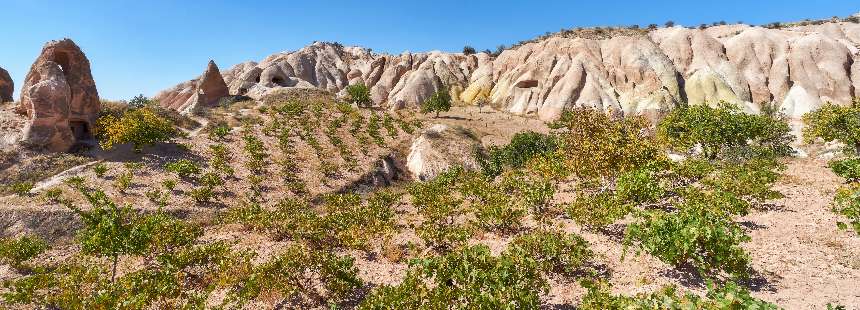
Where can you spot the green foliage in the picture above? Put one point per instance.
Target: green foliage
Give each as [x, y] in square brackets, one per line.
[595, 145]
[123, 181]
[847, 204]
[597, 210]
[22, 188]
[469, 278]
[523, 147]
[299, 271]
[729, 296]
[100, 169]
[723, 128]
[373, 127]
[553, 250]
[440, 101]
[14, 251]
[639, 186]
[696, 234]
[219, 132]
[169, 184]
[440, 211]
[831, 122]
[359, 94]
[141, 127]
[847, 168]
[183, 168]
[139, 101]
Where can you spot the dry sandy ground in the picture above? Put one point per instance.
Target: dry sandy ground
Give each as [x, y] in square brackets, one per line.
[801, 260]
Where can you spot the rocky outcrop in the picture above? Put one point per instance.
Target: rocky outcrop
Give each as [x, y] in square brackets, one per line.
[7, 87]
[59, 98]
[640, 72]
[204, 91]
[439, 148]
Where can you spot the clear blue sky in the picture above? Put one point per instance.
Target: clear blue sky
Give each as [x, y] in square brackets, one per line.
[144, 46]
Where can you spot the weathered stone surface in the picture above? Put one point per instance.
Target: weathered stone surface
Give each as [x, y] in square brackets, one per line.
[798, 68]
[204, 91]
[7, 86]
[59, 97]
[439, 148]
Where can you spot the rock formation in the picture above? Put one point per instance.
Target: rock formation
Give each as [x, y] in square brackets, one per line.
[204, 91]
[7, 87]
[638, 72]
[59, 98]
[439, 148]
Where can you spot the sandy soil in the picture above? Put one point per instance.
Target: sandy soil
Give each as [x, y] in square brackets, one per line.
[801, 260]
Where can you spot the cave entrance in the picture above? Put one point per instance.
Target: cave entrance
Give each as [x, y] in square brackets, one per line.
[278, 81]
[80, 130]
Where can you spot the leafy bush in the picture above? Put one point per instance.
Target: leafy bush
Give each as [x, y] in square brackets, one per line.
[139, 101]
[22, 188]
[847, 204]
[14, 251]
[100, 169]
[523, 147]
[183, 168]
[597, 210]
[725, 127]
[846, 168]
[639, 186]
[440, 211]
[728, 296]
[468, 50]
[831, 122]
[141, 127]
[359, 94]
[593, 144]
[469, 278]
[553, 250]
[695, 235]
[440, 101]
[299, 271]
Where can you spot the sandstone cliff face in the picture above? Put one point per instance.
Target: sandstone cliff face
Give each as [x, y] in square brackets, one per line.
[796, 68]
[59, 98]
[7, 87]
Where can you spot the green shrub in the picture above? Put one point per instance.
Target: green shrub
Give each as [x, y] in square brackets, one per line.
[14, 251]
[729, 296]
[553, 250]
[469, 278]
[440, 101]
[523, 147]
[639, 186]
[848, 169]
[831, 122]
[141, 127]
[359, 94]
[440, 211]
[22, 188]
[595, 145]
[100, 169]
[597, 210]
[847, 204]
[722, 128]
[183, 168]
[299, 271]
[695, 235]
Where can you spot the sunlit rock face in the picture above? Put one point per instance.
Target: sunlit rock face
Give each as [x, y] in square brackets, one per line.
[797, 68]
[59, 98]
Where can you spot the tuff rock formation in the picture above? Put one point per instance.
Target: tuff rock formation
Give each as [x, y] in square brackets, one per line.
[204, 91]
[7, 87]
[439, 148]
[59, 98]
[798, 68]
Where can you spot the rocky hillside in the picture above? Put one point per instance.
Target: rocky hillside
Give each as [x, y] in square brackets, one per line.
[798, 67]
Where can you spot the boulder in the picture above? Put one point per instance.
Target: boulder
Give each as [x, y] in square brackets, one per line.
[439, 148]
[59, 98]
[7, 87]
